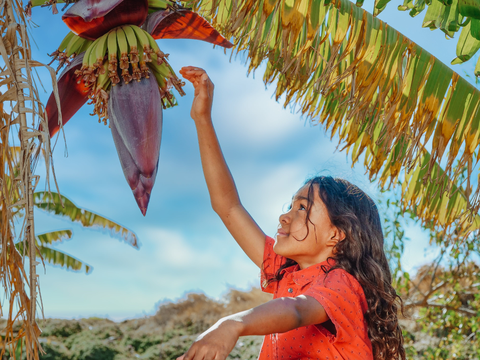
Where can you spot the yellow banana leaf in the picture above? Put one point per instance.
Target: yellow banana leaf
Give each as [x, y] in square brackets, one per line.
[51, 202]
[388, 99]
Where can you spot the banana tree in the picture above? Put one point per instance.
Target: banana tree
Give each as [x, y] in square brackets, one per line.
[391, 102]
[113, 59]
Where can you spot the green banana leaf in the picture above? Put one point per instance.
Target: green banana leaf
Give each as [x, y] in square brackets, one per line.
[450, 16]
[54, 236]
[52, 202]
[56, 258]
[390, 101]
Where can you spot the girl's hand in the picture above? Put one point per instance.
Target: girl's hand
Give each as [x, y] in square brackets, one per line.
[202, 102]
[215, 343]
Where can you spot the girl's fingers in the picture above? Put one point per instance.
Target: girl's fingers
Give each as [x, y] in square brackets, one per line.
[191, 68]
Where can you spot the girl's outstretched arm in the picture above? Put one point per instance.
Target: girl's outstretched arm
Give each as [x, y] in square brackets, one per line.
[276, 316]
[223, 193]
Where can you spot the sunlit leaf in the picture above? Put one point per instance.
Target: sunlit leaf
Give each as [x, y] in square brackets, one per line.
[53, 204]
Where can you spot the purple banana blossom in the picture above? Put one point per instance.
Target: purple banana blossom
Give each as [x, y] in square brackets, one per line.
[135, 113]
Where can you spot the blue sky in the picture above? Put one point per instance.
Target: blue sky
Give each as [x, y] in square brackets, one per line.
[271, 151]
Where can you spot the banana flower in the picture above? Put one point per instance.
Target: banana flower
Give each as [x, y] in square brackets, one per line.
[113, 60]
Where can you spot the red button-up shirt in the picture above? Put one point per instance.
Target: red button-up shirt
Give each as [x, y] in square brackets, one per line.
[341, 296]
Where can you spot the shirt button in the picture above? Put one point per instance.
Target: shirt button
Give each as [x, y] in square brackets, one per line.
[290, 290]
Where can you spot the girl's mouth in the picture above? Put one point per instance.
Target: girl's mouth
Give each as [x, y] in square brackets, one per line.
[281, 232]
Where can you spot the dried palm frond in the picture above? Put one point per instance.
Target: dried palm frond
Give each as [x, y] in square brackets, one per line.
[21, 115]
[386, 97]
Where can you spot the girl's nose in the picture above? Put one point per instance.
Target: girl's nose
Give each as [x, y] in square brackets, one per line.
[284, 218]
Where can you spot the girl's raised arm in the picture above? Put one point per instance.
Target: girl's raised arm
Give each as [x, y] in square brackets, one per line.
[223, 193]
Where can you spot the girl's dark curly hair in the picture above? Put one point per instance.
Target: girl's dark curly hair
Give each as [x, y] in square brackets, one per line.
[361, 254]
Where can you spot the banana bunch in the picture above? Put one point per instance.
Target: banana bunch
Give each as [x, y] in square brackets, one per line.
[71, 46]
[132, 53]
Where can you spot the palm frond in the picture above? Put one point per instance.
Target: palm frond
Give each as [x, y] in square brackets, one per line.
[54, 236]
[385, 96]
[52, 202]
[57, 258]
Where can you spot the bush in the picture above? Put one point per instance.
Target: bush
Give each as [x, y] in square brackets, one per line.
[95, 350]
[169, 350]
[143, 342]
[60, 328]
[54, 351]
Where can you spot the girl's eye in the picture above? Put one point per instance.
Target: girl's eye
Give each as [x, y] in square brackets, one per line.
[302, 207]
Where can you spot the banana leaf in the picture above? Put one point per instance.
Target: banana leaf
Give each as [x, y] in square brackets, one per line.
[390, 101]
[57, 258]
[54, 236]
[450, 16]
[52, 203]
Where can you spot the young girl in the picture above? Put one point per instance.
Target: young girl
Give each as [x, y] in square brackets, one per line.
[327, 270]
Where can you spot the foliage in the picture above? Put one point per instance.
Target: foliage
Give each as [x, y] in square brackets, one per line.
[450, 16]
[443, 296]
[62, 206]
[389, 100]
[93, 350]
[61, 328]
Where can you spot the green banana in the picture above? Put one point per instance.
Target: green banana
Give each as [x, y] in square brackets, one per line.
[87, 56]
[100, 96]
[101, 50]
[162, 85]
[154, 46]
[162, 69]
[112, 47]
[92, 57]
[66, 40]
[144, 41]
[88, 70]
[123, 46]
[74, 45]
[132, 43]
[143, 65]
[85, 46]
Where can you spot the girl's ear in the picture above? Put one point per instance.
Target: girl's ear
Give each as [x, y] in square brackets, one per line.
[338, 235]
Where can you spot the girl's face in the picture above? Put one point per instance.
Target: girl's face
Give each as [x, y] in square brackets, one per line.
[306, 242]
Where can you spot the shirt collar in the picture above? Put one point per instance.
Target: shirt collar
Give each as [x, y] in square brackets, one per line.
[305, 276]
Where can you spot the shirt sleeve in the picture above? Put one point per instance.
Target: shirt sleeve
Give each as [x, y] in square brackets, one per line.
[271, 264]
[344, 301]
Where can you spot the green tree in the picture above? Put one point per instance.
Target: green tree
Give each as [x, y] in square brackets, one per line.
[442, 297]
